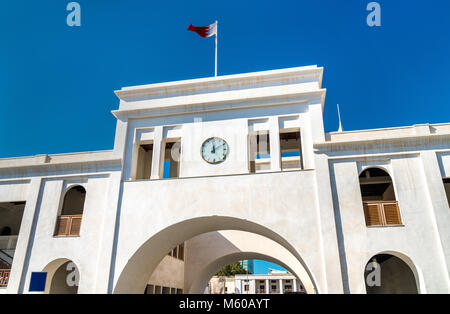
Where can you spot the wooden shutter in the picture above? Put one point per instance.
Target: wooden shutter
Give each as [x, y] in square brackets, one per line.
[75, 226]
[372, 213]
[392, 214]
[61, 226]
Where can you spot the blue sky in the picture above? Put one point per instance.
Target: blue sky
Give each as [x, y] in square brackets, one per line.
[57, 82]
[262, 267]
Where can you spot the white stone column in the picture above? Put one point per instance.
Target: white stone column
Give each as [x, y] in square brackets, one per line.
[281, 286]
[110, 235]
[158, 150]
[267, 286]
[274, 133]
[22, 254]
[439, 205]
[294, 286]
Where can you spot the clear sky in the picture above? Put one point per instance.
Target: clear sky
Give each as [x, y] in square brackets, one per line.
[57, 82]
[262, 267]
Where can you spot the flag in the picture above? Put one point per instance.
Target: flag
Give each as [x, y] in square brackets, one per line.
[204, 31]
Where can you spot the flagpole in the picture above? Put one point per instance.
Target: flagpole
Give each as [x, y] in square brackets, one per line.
[215, 65]
[340, 123]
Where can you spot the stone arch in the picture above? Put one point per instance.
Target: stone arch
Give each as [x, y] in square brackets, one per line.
[139, 267]
[401, 275]
[56, 277]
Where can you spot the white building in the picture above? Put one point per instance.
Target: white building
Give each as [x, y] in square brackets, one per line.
[221, 285]
[252, 175]
[275, 282]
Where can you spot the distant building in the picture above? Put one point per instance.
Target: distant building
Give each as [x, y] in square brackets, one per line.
[275, 282]
[221, 285]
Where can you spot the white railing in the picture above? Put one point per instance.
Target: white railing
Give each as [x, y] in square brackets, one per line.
[8, 242]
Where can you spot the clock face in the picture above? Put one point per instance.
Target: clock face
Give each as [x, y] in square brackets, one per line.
[214, 150]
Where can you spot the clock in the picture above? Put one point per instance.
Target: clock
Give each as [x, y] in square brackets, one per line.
[214, 150]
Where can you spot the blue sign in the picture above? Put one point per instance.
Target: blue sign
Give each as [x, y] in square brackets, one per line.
[37, 282]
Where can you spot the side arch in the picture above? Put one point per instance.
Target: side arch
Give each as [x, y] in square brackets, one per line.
[56, 277]
[416, 272]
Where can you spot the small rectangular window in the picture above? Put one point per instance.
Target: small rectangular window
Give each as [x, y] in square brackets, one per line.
[172, 153]
[144, 161]
[175, 252]
[149, 289]
[290, 150]
[181, 251]
[259, 152]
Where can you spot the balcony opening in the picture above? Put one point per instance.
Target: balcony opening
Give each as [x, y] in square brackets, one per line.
[447, 189]
[290, 150]
[144, 162]
[259, 149]
[69, 222]
[11, 214]
[378, 195]
[172, 153]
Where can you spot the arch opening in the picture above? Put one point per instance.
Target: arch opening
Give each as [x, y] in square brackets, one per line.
[391, 274]
[69, 221]
[379, 200]
[273, 282]
[62, 277]
[133, 277]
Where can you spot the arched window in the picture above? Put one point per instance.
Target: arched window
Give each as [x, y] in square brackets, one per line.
[378, 195]
[69, 222]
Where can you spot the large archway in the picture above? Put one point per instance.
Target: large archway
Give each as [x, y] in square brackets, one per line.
[390, 273]
[132, 278]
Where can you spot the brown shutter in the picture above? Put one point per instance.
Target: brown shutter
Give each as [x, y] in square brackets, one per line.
[372, 214]
[392, 214]
[61, 226]
[75, 226]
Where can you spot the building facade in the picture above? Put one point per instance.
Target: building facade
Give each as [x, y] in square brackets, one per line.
[226, 169]
[275, 282]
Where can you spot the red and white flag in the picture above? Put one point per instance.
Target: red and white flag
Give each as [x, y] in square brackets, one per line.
[207, 31]
[204, 31]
